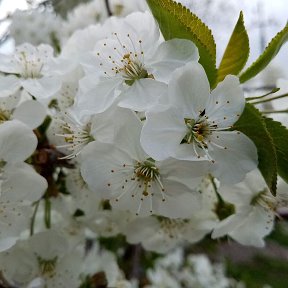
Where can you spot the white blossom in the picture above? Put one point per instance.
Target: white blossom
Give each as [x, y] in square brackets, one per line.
[133, 60]
[195, 124]
[44, 256]
[28, 68]
[255, 211]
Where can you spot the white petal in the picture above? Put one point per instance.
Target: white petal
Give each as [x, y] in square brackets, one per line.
[14, 218]
[21, 182]
[254, 227]
[171, 55]
[226, 102]
[9, 64]
[142, 95]
[7, 243]
[117, 124]
[243, 192]
[198, 228]
[189, 173]
[17, 141]
[141, 229]
[233, 163]
[9, 103]
[101, 97]
[189, 89]
[30, 112]
[59, 66]
[21, 266]
[102, 166]
[180, 201]
[144, 27]
[9, 85]
[67, 271]
[49, 244]
[42, 88]
[81, 41]
[162, 132]
[127, 133]
[228, 224]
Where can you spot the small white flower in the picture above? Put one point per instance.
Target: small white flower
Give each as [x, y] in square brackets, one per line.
[194, 125]
[44, 256]
[163, 234]
[28, 68]
[255, 211]
[75, 133]
[134, 60]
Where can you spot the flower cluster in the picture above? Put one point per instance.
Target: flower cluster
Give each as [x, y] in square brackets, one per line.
[135, 142]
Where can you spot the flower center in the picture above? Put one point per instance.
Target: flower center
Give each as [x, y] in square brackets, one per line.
[2, 165]
[47, 267]
[126, 59]
[143, 182]
[265, 199]
[76, 135]
[31, 66]
[146, 171]
[4, 116]
[173, 227]
[197, 131]
[132, 69]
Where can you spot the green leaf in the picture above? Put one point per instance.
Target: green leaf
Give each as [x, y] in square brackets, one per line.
[265, 58]
[236, 53]
[176, 21]
[279, 134]
[252, 124]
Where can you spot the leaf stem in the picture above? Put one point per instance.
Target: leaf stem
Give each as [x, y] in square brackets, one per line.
[262, 96]
[270, 99]
[274, 111]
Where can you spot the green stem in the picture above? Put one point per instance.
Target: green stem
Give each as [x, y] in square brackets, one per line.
[34, 217]
[219, 198]
[47, 214]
